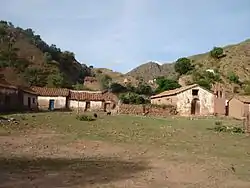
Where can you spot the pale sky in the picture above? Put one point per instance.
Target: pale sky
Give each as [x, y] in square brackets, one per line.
[122, 34]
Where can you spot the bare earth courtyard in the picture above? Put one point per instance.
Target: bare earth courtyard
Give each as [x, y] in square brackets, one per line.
[48, 150]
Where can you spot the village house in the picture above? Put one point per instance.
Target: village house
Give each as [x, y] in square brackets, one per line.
[189, 100]
[52, 98]
[239, 106]
[9, 98]
[29, 99]
[91, 101]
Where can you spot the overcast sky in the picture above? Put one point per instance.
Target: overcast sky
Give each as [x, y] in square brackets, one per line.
[122, 34]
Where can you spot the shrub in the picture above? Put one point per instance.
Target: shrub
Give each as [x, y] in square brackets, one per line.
[217, 52]
[183, 65]
[84, 118]
[218, 123]
[233, 78]
[223, 128]
[132, 98]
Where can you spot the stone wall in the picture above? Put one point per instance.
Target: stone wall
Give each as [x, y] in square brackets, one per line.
[149, 110]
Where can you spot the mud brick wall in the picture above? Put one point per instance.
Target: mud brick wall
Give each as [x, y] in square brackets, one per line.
[148, 110]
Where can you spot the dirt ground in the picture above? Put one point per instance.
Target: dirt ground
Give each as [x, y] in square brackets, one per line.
[46, 159]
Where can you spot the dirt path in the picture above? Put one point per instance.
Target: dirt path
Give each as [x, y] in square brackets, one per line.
[45, 159]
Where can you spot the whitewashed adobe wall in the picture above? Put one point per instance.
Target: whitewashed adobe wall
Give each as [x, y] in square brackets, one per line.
[95, 105]
[185, 98]
[73, 104]
[60, 102]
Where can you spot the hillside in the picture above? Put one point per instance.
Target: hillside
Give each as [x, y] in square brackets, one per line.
[25, 59]
[151, 70]
[236, 59]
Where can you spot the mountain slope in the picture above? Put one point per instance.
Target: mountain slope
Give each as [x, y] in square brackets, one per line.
[151, 70]
[236, 59]
[25, 59]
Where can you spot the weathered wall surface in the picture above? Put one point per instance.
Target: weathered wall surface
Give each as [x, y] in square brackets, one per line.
[73, 104]
[33, 100]
[236, 108]
[146, 110]
[9, 100]
[169, 100]
[185, 98]
[94, 105]
[60, 102]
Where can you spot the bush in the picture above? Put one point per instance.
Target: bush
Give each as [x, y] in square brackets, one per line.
[233, 77]
[132, 98]
[217, 52]
[218, 123]
[165, 84]
[223, 128]
[183, 65]
[85, 118]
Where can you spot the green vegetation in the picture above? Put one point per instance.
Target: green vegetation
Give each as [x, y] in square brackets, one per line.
[165, 84]
[216, 52]
[183, 65]
[27, 62]
[205, 78]
[233, 78]
[132, 98]
[85, 118]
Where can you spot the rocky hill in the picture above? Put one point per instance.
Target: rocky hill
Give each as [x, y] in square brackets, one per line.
[25, 59]
[151, 70]
[235, 59]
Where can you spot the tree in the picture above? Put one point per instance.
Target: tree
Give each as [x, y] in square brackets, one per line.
[117, 88]
[166, 84]
[233, 78]
[216, 52]
[55, 80]
[35, 77]
[132, 98]
[183, 65]
[144, 89]
[48, 57]
[105, 81]
[204, 83]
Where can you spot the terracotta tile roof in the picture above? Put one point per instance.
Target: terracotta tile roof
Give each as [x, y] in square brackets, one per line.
[92, 96]
[86, 96]
[28, 90]
[243, 98]
[5, 84]
[45, 91]
[174, 91]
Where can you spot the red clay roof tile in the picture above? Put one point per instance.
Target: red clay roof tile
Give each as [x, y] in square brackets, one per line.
[55, 92]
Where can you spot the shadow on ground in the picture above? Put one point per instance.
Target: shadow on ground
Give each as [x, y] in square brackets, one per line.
[60, 172]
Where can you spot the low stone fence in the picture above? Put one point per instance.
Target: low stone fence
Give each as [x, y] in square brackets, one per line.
[148, 110]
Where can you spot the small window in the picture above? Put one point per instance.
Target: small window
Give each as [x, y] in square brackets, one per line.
[195, 92]
[34, 100]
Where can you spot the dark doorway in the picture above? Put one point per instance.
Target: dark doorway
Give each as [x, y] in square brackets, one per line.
[195, 107]
[51, 104]
[29, 102]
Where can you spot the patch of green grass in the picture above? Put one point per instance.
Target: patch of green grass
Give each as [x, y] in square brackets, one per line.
[190, 138]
